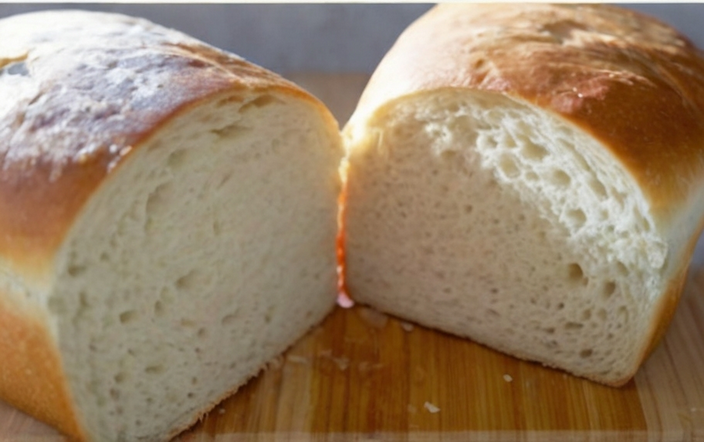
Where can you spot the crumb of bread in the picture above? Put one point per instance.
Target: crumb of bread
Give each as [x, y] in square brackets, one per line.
[431, 408]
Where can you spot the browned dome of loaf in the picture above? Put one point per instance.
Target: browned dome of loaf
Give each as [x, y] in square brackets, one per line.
[620, 75]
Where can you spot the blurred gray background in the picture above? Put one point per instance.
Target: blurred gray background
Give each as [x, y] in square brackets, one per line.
[326, 37]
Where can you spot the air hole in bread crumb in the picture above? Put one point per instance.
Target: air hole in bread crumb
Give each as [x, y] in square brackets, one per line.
[550, 330]
[621, 267]
[202, 333]
[560, 178]
[508, 166]
[120, 377]
[83, 299]
[187, 323]
[187, 281]
[194, 381]
[586, 314]
[158, 308]
[620, 197]
[228, 131]
[532, 151]
[449, 155]
[177, 159]
[155, 369]
[508, 142]
[261, 101]
[115, 394]
[128, 316]
[598, 188]
[158, 199]
[230, 318]
[586, 353]
[608, 290]
[229, 100]
[575, 272]
[573, 326]
[224, 180]
[76, 270]
[577, 217]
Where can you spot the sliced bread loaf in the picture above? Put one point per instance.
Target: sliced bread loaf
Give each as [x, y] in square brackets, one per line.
[531, 177]
[167, 222]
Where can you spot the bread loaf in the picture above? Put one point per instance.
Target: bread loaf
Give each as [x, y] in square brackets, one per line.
[530, 177]
[167, 219]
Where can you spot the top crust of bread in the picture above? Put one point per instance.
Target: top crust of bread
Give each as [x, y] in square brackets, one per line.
[80, 105]
[618, 75]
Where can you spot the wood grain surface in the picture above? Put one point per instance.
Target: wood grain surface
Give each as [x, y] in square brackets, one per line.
[364, 376]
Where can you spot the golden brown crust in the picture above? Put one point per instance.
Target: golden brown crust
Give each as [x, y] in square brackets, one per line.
[632, 82]
[31, 375]
[79, 92]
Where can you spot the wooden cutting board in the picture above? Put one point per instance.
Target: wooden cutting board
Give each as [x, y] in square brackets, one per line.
[364, 376]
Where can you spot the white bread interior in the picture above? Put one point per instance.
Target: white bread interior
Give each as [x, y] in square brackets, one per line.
[205, 254]
[481, 215]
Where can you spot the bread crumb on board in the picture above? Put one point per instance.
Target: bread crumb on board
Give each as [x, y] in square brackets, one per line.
[508, 378]
[407, 326]
[276, 363]
[343, 362]
[431, 408]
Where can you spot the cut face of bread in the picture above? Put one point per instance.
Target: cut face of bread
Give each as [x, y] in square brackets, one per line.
[171, 235]
[530, 177]
[206, 255]
[476, 214]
